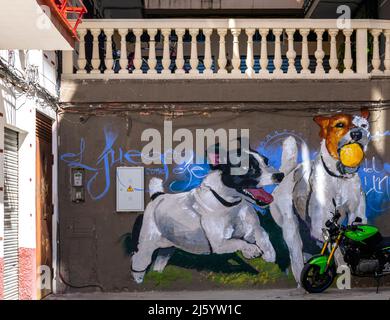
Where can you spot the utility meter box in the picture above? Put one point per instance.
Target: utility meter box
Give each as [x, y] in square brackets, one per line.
[129, 189]
[77, 185]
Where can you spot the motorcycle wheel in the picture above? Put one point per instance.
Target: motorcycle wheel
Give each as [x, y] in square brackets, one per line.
[314, 282]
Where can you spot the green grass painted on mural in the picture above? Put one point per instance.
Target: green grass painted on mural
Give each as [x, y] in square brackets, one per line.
[170, 275]
[268, 273]
[221, 269]
[258, 272]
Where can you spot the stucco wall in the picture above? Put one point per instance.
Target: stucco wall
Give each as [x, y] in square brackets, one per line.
[94, 242]
[18, 113]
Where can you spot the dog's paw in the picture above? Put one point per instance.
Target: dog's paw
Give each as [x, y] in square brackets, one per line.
[269, 256]
[138, 276]
[251, 251]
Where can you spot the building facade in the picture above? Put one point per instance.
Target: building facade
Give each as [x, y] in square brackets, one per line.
[85, 129]
[29, 90]
[278, 78]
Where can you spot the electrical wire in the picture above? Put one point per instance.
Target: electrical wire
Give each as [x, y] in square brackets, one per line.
[16, 79]
[79, 287]
[306, 109]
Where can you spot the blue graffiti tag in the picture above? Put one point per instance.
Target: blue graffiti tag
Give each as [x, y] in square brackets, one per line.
[188, 175]
[376, 184]
[109, 157]
[374, 173]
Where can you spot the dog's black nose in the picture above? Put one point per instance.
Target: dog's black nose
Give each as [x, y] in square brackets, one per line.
[278, 177]
[356, 135]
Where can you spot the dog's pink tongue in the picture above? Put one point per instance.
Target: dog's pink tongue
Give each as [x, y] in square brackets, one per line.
[262, 195]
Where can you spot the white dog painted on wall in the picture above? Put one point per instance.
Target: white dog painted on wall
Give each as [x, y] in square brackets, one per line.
[217, 217]
[303, 200]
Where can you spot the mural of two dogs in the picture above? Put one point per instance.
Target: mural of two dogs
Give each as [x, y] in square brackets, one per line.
[219, 217]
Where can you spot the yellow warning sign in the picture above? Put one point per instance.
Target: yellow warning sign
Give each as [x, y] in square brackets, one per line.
[130, 189]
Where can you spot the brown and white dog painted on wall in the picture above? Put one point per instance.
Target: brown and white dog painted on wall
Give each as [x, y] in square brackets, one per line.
[303, 200]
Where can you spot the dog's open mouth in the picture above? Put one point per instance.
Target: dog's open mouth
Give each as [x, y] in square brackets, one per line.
[259, 195]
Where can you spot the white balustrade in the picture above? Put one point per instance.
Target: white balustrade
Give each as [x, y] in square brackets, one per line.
[207, 52]
[233, 38]
[291, 54]
[305, 60]
[387, 52]
[152, 61]
[319, 54]
[95, 51]
[81, 61]
[348, 51]
[278, 53]
[249, 52]
[166, 60]
[333, 60]
[236, 60]
[222, 61]
[376, 60]
[263, 52]
[180, 51]
[194, 60]
[109, 61]
[137, 62]
[123, 61]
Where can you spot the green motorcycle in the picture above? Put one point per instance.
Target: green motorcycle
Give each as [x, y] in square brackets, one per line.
[364, 250]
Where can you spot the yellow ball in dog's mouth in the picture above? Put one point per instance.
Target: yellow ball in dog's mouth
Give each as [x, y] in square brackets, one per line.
[351, 155]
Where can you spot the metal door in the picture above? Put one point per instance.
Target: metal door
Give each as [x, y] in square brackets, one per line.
[11, 215]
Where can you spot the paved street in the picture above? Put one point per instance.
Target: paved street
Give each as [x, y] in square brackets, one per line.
[272, 294]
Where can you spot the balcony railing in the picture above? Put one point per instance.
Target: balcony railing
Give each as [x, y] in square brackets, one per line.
[229, 48]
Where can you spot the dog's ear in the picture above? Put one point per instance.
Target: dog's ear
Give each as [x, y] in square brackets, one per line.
[214, 158]
[365, 113]
[213, 155]
[323, 122]
[216, 155]
[242, 145]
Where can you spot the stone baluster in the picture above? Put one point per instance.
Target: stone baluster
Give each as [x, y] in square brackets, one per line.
[376, 60]
[194, 60]
[207, 52]
[319, 54]
[180, 51]
[67, 62]
[152, 61]
[333, 60]
[222, 61]
[249, 52]
[278, 52]
[137, 62]
[109, 61]
[387, 52]
[348, 51]
[305, 61]
[361, 51]
[123, 61]
[264, 52]
[81, 61]
[95, 51]
[166, 59]
[236, 60]
[291, 54]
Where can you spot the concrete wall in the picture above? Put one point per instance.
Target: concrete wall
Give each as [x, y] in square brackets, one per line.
[100, 129]
[18, 113]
